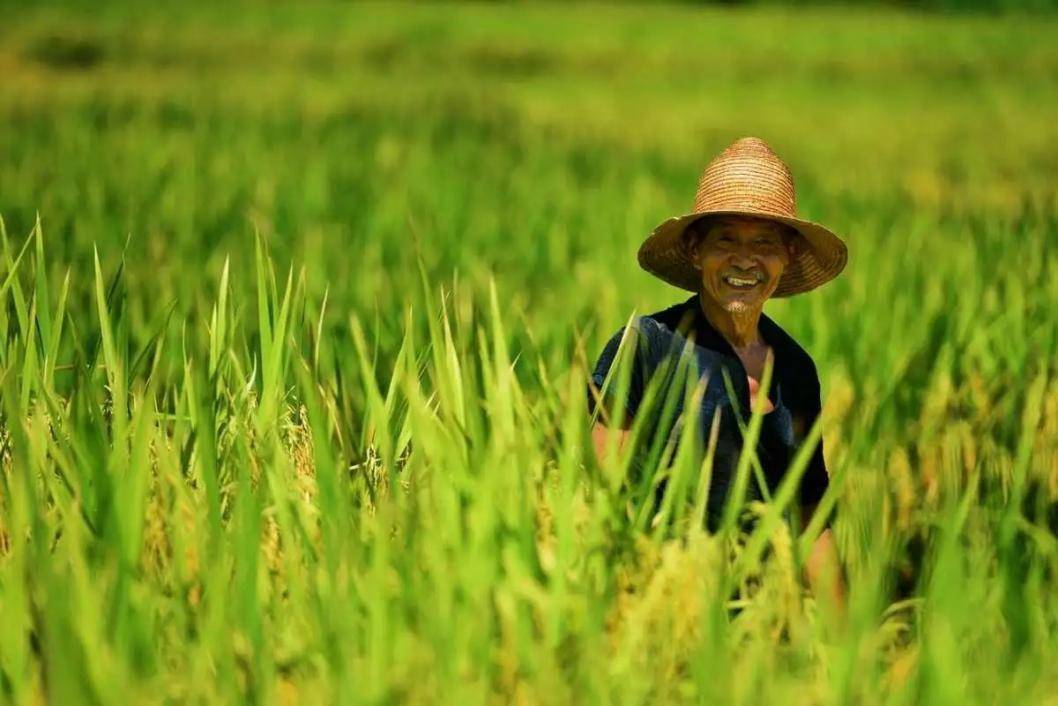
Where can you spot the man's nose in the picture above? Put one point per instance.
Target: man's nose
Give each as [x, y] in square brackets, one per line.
[743, 257]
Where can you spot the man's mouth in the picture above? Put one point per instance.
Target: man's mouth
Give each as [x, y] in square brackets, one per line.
[741, 281]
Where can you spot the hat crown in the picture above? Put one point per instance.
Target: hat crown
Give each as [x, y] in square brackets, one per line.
[747, 176]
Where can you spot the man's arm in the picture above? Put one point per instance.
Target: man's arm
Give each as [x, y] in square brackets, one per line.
[822, 569]
[606, 422]
[823, 572]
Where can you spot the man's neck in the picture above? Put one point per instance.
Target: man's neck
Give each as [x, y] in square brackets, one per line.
[739, 328]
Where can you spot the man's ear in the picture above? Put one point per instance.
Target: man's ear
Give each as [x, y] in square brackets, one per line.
[691, 242]
[795, 244]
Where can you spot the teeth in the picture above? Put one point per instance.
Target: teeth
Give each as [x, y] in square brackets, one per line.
[740, 282]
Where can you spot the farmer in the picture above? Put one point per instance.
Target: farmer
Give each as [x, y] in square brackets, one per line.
[742, 244]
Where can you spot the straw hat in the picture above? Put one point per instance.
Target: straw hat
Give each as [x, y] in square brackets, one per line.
[746, 179]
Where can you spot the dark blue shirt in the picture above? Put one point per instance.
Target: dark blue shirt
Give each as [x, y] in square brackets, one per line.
[658, 339]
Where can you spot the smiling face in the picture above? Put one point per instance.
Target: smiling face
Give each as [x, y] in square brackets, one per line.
[740, 259]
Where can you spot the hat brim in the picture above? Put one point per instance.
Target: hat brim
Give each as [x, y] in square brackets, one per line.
[663, 255]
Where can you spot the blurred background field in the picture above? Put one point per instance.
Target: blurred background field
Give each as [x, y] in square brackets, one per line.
[165, 534]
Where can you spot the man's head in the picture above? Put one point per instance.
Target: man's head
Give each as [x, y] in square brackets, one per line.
[740, 258]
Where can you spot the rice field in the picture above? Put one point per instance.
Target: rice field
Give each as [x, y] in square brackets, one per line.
[297, 305]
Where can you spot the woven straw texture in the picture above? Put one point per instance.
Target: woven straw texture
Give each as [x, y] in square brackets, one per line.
[746, 179]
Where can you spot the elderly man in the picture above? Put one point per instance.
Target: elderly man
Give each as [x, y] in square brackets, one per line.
[742, 244]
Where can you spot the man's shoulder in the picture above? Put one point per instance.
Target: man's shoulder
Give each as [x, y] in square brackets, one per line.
[658, 332]
[793, 353]
[672, 318]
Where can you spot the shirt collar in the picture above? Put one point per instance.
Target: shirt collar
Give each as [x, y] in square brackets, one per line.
[706, 335]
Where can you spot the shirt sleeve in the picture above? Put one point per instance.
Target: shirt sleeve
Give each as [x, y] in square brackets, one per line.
[637, 353]
[815, 481]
